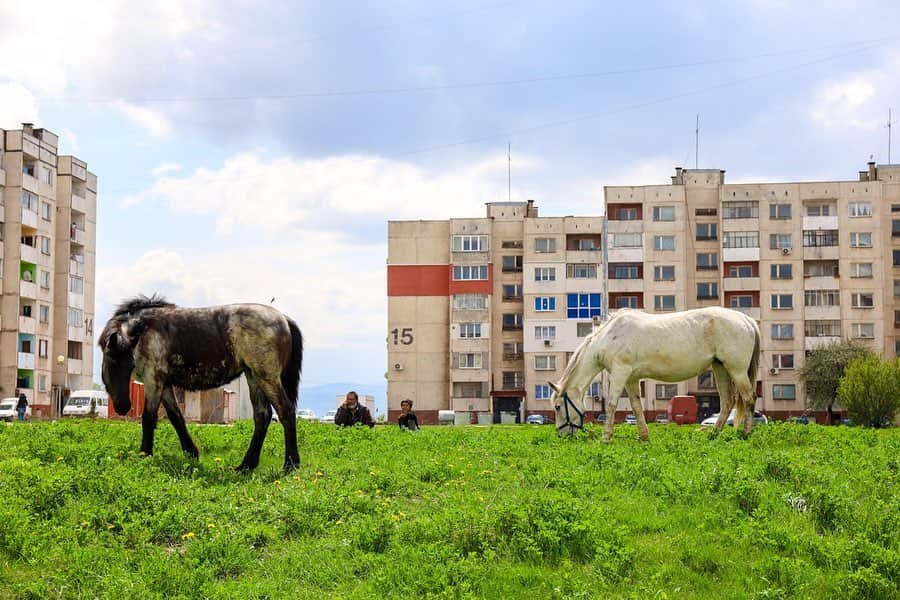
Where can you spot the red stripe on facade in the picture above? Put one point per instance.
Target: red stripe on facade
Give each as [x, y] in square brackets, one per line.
[473, 286]
[418, 280]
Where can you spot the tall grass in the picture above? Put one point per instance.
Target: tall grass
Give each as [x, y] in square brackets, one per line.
[794, 511]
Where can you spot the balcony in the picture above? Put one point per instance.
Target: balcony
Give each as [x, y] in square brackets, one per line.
[76, 300]
[76, 267]
[470, 404]
[820, 283]
[816, 223]
[822, 313]
[740, 254]
[73, 365]
[76, 334]
[78, 236]
[26, 324]
[740, 284]
[811, 343]
[751, 311]
[821, 252]
[28, 253]
[513, 356]
[28, 289]
[25, 360]
[468, 375]
[2, 208]
[79, 203]
[583, 256]
[624, 285]
[30, 183]
[31, 146]
[633, 226]
[626, 255]
[29, 218]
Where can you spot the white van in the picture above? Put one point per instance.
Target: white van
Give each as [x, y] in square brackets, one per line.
[79, 404]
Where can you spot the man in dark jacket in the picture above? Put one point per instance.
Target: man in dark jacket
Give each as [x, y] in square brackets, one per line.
[22, 406]
[352, 412]
[408, 419]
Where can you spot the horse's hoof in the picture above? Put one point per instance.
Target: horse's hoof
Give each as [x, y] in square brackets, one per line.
[192, 453]
[243, 469]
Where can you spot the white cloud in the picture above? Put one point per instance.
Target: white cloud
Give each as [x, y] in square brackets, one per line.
[154, 121]
[165, 168]
[859, 101]
[17, 106]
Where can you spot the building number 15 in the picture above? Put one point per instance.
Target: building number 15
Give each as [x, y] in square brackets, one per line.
[402, 336]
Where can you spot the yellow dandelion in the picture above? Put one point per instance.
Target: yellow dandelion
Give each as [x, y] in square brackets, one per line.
[319, 474]
[188, 535]
[59, 458]
[339, 522]
[296, 478]
[377, 491]
[481, 498]
[211, 525]
[277, 482]
[218, 459]
[360, 492]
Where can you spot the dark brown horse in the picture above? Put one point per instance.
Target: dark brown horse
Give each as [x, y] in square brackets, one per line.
[199, 349]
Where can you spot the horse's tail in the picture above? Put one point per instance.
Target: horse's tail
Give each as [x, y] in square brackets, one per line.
[290, 377]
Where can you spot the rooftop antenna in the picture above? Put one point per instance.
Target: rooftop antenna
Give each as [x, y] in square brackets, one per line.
[697, 143]
[509, 171]
[889, 126]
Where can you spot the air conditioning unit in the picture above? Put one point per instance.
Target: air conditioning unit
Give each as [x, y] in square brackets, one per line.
[398, 367]
[786, 251]
[548, 343]
[773, 371]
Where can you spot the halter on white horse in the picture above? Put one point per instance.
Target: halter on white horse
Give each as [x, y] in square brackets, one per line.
[635, 345]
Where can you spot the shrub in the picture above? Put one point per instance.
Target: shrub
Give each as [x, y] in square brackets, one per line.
[870, 390]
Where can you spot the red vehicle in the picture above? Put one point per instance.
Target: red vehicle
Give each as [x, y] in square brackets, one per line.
[682, 410]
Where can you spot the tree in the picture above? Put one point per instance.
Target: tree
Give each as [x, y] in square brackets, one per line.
[822, 372]
[870, 390]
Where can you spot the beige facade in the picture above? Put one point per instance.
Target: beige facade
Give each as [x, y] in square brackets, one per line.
[48, 219]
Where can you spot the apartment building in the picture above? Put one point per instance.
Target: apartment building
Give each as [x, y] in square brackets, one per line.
[48, 216]
[812, 262]
[483, 312]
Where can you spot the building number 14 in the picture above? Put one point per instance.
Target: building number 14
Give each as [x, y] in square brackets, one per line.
[402, 336]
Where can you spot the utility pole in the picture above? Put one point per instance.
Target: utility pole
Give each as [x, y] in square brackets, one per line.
[889, 125]
[697, 143]
[509, 171]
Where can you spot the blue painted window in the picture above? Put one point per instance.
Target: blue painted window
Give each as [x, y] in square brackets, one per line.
[542, 392]
[582, 306]
[595, 389]
[544, 303]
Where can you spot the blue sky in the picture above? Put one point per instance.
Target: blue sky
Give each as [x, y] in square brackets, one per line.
[248, 150]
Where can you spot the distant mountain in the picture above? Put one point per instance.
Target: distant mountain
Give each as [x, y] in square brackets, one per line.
[321, 397]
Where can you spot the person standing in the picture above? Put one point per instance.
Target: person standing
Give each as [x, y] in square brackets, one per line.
[408, 419]
[22, 406]
[352, 412]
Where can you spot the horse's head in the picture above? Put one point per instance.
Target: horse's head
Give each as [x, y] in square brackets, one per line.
[569, 409]
[118, 340]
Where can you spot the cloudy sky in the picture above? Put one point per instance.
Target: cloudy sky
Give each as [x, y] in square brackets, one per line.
[249, 149]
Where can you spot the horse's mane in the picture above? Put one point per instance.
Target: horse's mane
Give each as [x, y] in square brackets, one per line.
[139, 303]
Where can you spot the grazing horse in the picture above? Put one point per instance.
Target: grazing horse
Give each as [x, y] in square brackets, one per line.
[199, 349]
[634, 345]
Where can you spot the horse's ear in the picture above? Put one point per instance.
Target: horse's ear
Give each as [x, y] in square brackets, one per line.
[132, 331]
[553, 386]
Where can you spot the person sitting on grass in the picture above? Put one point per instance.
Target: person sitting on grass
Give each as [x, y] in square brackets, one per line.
[408, 419]
[352, 412]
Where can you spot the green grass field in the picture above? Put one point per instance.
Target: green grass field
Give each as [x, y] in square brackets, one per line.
[499, 512]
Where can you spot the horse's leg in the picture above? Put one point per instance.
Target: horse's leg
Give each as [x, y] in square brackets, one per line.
[616, 384]
[262, 416]
[287, 414]
[177, 420]
[149, 417]
[748, 394]
[634, 396]
[723, 385]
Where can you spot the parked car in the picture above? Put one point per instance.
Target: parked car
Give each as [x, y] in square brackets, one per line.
[538, 419]
[630, 419]
[305, 414]
[80, 401]
[662, 419]
[8, 410]
[328, 417]
[758, 419]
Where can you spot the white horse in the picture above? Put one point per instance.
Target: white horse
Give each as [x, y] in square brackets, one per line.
[634, 345]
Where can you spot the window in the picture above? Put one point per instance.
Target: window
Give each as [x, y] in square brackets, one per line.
[665, 391]
[29, 201]
[859, 300]
[897, 287]
[512, 321]
[626, 214]
[544, 245]
[779, 211]
[896, 256]
[74, 317]
[861, 270]
[780, 240]
[581, 271]
[782, 361]
[626, 240]
[542, 392]
[819, 210]
[663, 213]
[740, 210]
[784, 391]
[625, 272]
[664, 302]
[46, 211]
[781, 271]
[740, 239]
[45, 280]
[707, 291]
[76, 285]
[42, 348]
[664, 273]
[822, 328]
[545, 273]
[583, 329]
[470, 301]
[74, 350]
[820, 268]
[706, 212]
[707, 231]
[42, 383]
[470, 272]
[46, 175]
[895, 228]
[44, 313]
[782, 331]
[585, 244]
[664, 242]
[708, 261]
[545, 332]
[469, 389]
[782, 301]
[860, 209]
[864, 331]
[511, 244]
[817, 238]
[468, 360]
[822, 297]
[861, 239]
[25, 347]
[544, 303]
[512, 291]
[470, 243]
[740, 271]
[706, 380]
[627, 302]
[470, 330]
[512, 350]
[740, 301]
[512, 264]
[545, 363]
[582, 306]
